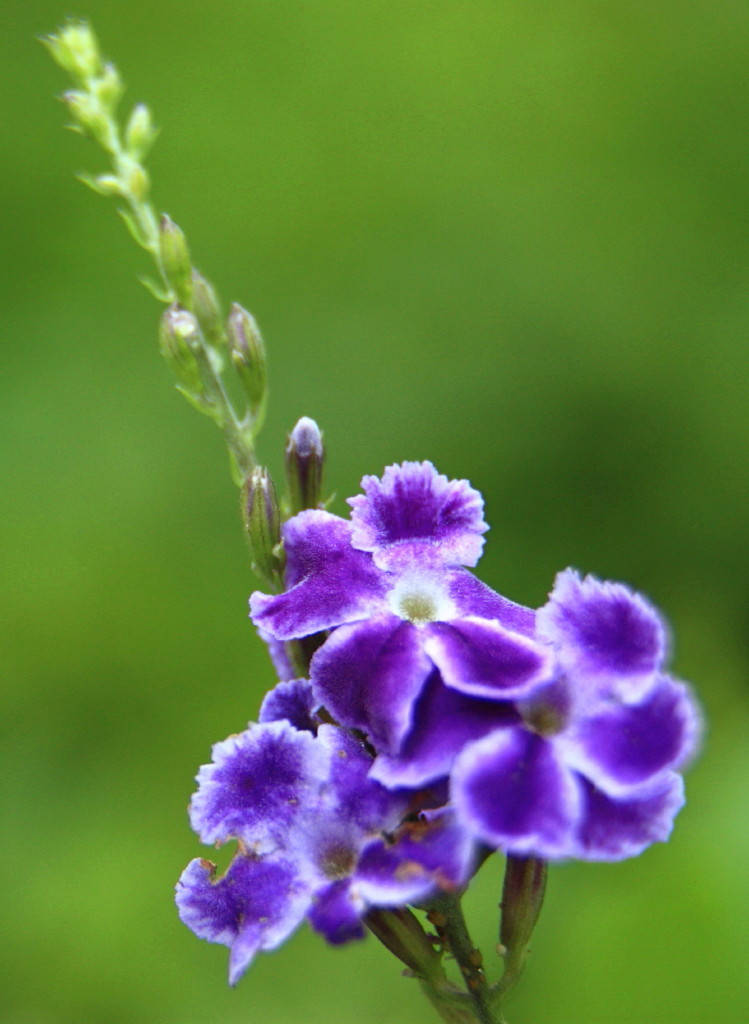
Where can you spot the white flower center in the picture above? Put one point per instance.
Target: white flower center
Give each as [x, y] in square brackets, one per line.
[420, 597]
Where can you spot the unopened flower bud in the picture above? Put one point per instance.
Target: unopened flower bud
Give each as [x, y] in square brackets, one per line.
[248, 355]
[178, 336]
[108, 87]
[304, 458]
[175, 259]
[86, 112]
[262, 522]
[76, 50]
[139, 182]
[139, 131]
[207, 310]
[522, 899]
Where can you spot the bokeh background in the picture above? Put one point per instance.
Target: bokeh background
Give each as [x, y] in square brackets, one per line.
[509, 237]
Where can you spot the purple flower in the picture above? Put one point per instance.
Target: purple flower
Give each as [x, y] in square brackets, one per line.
[317, 838]
[589, 769]
[416, 638]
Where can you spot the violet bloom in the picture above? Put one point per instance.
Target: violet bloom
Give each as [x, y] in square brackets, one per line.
[423, 657]
[590, 769]
[316, 838]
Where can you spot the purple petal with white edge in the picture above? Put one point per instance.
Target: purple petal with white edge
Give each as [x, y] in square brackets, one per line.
[358, 798]
[329, 581]
[256, 905]
[480, 658]
[278, 655]
[472, 597]
[604, 631]
[291, 701]
[336, 913]
[443, 722]
[621, 746]
[257, 785]
[432, 854]
[412, 503]
[368, 676]
[614, 829]
[511, 790]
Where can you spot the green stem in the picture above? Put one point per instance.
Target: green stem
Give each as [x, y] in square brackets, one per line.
[448, 911]
[401, 933]
[144, 215]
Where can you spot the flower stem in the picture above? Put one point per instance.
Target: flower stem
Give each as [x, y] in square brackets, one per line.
[400, 931]
[446, 913]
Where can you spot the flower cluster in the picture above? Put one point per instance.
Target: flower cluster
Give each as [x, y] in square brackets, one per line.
[454, 720]
[317, 838]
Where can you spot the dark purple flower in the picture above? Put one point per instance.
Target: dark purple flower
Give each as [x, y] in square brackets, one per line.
[409, 623]
[589, 768]
[317, 838]
[560, 730]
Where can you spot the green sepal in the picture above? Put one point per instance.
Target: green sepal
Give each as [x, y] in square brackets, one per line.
[154, 288]
[103, 184]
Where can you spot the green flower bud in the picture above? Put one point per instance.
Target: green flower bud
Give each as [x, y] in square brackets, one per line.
[108, 87]
[207, 310]
[248, 355]
[76, 49]
[522, 899]
[86, 112]
[140, 132]
[304, 460]
[175, 259]
[137, 181]
[262, 523]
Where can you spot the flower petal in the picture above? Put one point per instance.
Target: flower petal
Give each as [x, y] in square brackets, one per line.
[614, 829]
[291, 701]
[621, 746]
[336, 913]
[413, 503]
[355, 796]
[329, 581]
[256, 905]
[278, 655]
[472, 597]
[511, 790]
[480, 658]
[432, 854]
[257, 785]
[368, 676]
[604, 632]
[444, 720]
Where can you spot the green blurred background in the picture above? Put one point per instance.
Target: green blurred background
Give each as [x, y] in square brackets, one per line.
[509, 237]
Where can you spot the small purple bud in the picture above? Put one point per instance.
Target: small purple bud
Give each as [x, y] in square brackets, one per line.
[248, 355]
[178, 335]
[175, 260]
[262, 523]
[305, 457]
